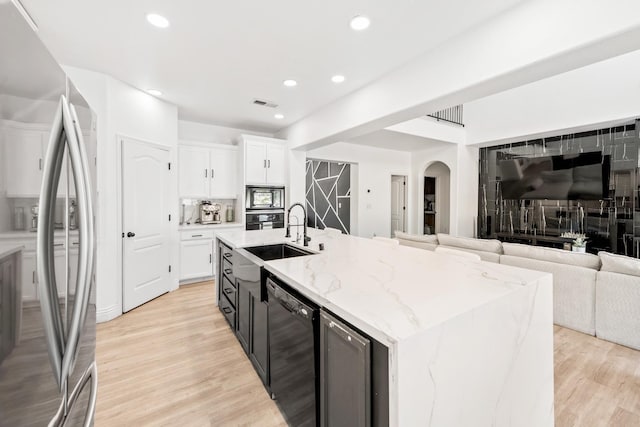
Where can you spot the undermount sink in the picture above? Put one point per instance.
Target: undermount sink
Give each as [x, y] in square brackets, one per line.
[279, 251]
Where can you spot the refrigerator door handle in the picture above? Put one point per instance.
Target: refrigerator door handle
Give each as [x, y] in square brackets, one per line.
[85, 222]
[59, 418]
[51, 315]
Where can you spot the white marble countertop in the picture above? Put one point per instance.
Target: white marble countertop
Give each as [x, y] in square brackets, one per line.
[7, 249]
[26, 234]
[223, 225]
[390, 292]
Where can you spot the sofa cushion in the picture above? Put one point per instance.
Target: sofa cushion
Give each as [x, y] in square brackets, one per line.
[484, 255]
[618, 308]
[619, 264]
[574, 291]
[424, 238]
[558, 256]
[486, 245]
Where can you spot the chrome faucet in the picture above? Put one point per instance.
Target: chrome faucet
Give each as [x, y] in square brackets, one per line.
[306, 239]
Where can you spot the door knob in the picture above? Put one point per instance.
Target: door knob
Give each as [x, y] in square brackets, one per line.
[130, 234]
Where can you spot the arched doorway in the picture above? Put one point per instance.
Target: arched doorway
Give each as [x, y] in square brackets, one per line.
[436, 194]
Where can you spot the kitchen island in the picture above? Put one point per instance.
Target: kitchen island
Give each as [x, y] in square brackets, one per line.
[469, 343]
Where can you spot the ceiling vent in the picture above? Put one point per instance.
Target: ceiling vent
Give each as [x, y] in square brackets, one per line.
[263, 103]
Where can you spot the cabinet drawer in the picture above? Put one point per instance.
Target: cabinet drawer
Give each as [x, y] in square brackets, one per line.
[227, 270]
[228, 311]
[229, 289]
[227, 254]
[196, 234]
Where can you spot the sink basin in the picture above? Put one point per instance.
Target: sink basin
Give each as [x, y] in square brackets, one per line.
[280, 251]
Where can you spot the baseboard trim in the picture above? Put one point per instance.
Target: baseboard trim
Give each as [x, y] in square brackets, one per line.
[108, 313]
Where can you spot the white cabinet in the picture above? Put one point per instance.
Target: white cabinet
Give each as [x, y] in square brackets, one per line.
[26, 149]
[28, 274]
[197, 256]
[223, 165]
[24, 162]
[207, 172]
[193, 173]
[264, 163]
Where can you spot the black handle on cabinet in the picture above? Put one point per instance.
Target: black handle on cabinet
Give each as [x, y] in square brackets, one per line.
[228, 290]
[196, 235]
[227, 270]
[209, 258]
[206, 171]
[227, 255]
[227, 310]
[131, 234]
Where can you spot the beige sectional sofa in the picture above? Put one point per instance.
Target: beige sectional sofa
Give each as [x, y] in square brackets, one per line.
[594, 294]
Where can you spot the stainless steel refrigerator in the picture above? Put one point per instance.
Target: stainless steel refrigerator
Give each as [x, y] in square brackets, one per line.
[47, 134]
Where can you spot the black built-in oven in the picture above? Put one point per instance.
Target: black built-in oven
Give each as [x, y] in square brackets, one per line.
[264, 220]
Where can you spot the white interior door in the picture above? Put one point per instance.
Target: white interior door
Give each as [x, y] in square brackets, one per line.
[145, 222]
[398, 203]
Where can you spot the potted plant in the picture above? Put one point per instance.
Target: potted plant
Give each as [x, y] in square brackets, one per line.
[579, 244]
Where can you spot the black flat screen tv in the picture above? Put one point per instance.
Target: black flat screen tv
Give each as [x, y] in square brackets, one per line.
[582, 176]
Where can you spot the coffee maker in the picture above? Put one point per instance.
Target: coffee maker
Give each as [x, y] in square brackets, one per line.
[209, 213]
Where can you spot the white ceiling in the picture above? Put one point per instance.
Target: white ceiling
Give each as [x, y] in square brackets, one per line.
[216, 57]
[395, 141]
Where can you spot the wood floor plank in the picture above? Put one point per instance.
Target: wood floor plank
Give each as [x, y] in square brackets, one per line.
[175, 362]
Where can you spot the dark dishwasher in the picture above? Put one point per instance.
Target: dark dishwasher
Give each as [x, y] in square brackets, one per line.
[292, 323]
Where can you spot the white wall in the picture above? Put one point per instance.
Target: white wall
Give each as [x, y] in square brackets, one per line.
[463, 203]
[600, 93]
[201, 132]
[122, 111]
[373, 185]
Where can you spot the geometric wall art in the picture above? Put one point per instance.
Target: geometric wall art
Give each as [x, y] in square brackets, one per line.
[328, 194]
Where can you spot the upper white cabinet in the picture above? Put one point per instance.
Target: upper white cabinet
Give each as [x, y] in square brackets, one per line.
[207, 172]
[24, 161]
[26, 149]
[193, 172]
[264, 162]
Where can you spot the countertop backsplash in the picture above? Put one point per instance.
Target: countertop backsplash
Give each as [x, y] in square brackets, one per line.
[190, 210]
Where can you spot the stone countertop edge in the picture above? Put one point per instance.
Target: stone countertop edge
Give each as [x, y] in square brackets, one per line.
[496, 281]
[9, 249]
[185, 227]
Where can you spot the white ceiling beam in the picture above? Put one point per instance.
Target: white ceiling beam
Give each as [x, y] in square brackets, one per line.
[534, 40]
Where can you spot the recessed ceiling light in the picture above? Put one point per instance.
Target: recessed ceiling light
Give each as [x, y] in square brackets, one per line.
[360, 22]
[337, 78]
[157, 20]
[290, 83]
[279, 116]
[154, 92]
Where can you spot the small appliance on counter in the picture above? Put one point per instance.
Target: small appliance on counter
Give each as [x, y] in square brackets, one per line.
[231, 215]
[34, 217]
[209, 213]
[18, 218]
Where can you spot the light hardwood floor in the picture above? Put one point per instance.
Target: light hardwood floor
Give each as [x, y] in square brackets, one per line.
[175, 362]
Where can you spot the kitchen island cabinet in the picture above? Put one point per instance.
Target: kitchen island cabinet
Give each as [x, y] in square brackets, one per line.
[467, 343]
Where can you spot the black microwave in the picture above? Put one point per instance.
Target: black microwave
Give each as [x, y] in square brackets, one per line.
[258, 198]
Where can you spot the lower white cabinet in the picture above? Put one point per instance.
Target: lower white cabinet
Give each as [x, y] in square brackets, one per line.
[196, 255]
[28, 274]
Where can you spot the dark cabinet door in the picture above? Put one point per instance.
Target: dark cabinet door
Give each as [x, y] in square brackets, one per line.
[243, 312]
[345, 375]
[260, 338]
